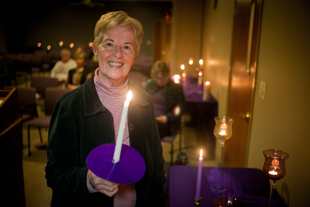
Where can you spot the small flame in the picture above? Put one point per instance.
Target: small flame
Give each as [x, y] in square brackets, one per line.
[200, 152]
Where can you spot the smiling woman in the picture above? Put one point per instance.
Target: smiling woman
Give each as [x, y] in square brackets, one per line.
[91, 115]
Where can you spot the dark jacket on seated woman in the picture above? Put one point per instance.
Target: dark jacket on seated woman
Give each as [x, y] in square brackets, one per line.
[174, 103]
[82, 77]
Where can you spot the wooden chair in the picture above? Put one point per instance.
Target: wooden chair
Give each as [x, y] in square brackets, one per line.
[52, 95]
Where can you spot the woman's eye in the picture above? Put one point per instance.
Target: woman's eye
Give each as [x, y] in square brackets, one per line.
[127, 47]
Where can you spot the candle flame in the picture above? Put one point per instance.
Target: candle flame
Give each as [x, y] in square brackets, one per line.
[208, 83]
[182, 67]
[200, 152]
[129, 96]
[200, 62]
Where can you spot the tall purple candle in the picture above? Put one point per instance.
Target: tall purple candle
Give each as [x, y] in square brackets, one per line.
[198, 185]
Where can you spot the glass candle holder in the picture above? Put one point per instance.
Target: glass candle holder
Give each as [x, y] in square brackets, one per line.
[274, 167]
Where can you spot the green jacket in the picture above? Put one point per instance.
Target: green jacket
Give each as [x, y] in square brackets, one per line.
[79, 123]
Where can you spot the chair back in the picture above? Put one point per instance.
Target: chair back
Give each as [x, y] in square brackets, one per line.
[27, 102]
[41, 83]
[52, 95]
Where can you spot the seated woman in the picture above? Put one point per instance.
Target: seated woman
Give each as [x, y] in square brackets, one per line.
[77, 76]
[168, 98]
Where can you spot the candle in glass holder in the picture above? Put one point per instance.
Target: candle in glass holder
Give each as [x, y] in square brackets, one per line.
[119, 140]
[198, 185]
[273, 172]
[206, 91]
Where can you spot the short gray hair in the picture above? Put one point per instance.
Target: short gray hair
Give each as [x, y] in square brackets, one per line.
[114, 19]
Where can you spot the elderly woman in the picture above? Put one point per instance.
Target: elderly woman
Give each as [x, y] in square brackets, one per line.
[77, 76]
[168, 98]
[90, 116]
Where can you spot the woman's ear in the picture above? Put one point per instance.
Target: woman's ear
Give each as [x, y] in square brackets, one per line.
[94, 50]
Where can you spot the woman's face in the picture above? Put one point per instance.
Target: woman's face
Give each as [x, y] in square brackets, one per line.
[80, 61]
[116, 54]
[161, 80]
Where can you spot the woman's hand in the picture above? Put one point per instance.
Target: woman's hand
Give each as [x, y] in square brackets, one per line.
[162, 119]
[101, 185]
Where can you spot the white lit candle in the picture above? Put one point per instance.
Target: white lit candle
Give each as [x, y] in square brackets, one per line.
[206, 90]
[198, 185]
[119, 140]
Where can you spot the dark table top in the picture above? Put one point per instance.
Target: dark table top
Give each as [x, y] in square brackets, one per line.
[194, 98]
[249, 185]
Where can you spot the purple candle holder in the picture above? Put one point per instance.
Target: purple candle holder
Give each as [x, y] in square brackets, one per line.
[129, 169]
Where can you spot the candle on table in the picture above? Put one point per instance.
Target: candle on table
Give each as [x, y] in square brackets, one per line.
[176, 78]
[199, 77]
[190, 61]
[206, 90]
[119, 140]
[182, 67]
[198, 185]
[200, 63]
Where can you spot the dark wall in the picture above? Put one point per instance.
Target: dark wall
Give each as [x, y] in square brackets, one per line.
[24, 24]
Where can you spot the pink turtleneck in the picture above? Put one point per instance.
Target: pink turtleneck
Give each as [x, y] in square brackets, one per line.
[113, 99]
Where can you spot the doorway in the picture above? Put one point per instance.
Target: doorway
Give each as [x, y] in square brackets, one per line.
[246, 30]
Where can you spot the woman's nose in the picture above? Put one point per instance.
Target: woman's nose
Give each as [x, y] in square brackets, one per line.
[118, 52]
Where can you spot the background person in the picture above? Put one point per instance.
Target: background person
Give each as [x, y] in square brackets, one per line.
[77, 76]
[89, 116]
[62, 67]
[168, 98]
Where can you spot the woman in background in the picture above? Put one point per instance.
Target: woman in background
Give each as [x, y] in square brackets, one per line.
[168, 98]
[77, 76]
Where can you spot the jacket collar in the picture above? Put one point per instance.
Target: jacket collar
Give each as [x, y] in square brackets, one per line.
[92, 104]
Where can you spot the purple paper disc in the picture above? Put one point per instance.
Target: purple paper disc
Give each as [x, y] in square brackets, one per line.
[129, 169]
